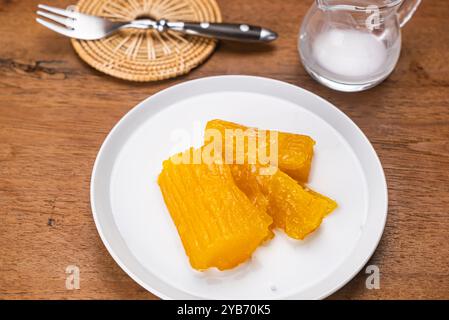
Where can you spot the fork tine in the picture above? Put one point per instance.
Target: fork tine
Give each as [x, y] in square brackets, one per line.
[55, 28]
[64, 21]
[65, 13]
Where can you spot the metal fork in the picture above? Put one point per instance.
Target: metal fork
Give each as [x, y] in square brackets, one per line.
[82, 26]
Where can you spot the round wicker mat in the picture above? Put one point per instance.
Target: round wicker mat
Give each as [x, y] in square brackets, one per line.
[146, 55]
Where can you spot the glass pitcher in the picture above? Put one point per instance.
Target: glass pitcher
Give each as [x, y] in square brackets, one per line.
[353, 45]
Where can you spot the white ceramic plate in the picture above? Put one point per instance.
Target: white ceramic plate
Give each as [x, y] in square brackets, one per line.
[136, 227]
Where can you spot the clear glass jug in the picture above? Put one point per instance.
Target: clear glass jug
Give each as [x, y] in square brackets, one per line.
[353, 45]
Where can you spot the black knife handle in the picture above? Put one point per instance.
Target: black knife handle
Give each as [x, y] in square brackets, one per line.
[226, 31]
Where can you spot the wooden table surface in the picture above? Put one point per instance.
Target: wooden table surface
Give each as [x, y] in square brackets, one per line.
[55, 112]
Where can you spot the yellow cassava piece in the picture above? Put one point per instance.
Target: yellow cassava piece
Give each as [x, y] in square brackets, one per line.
[218, 225]
[296, 209]
[295, 151]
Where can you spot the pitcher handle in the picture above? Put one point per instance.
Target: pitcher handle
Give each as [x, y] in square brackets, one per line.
[406, 11]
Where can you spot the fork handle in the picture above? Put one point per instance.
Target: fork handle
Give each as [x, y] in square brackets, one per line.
[227, 31]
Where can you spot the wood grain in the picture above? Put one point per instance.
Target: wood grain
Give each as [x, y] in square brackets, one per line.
[55, 112]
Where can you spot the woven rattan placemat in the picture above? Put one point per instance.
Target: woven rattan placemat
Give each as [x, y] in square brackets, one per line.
[146, 55]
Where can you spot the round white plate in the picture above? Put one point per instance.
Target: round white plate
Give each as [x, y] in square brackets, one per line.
[136, 227]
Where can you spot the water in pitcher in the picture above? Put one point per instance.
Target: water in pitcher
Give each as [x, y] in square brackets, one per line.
[352, 45]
